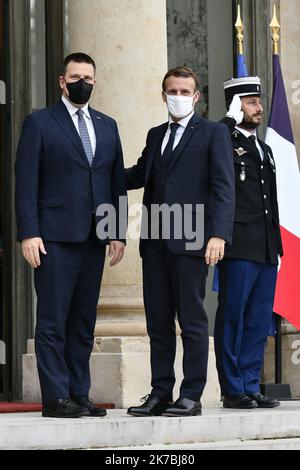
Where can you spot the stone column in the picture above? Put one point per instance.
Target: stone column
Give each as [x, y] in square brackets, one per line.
[128, 41]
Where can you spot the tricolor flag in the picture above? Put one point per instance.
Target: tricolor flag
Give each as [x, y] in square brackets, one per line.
[280, 138]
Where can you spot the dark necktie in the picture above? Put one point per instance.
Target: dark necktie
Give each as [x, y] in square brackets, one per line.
[252, 139]
[169, 148]
[85, 138]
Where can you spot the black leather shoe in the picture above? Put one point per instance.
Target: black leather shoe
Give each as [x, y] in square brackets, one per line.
[184, 407]
[63, 408]
[86, 402]
[239, 402]
[264, 402]
[153, 406]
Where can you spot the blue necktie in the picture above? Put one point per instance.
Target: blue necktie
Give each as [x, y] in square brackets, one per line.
[169, 148]
[85, 138]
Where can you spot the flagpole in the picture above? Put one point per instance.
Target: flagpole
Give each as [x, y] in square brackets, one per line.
[241, 63]
[240, 32]
[275, 28]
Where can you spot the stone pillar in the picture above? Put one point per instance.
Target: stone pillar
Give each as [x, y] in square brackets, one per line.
[128, 41]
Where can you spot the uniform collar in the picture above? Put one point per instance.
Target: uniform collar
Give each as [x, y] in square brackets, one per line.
[246, 133]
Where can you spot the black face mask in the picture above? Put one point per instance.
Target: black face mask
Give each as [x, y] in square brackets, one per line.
[80, 91]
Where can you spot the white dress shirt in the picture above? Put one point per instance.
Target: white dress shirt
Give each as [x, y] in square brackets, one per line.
[87, 117]
[248, 134]
[179, 133]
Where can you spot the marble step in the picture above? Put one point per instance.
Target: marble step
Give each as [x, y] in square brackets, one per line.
[117, 430]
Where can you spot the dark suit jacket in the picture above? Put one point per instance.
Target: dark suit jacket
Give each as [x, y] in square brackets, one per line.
[57, 191]
[201, 172]
[256, 231]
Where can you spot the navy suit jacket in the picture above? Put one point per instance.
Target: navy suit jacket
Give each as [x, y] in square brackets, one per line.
[57, 191]
[201, 172]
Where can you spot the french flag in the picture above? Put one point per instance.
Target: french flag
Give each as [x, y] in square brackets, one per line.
[280, 138]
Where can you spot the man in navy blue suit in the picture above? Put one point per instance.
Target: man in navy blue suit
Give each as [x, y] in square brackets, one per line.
[69, 162]
[187, 162]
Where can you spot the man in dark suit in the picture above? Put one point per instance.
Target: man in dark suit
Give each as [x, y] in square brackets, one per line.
[69, 163]
[247, 275]
[186, 162]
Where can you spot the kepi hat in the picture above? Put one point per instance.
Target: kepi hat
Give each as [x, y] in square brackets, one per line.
[244, 86]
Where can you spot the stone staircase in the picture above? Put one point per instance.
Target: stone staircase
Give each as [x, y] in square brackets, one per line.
[216, 429]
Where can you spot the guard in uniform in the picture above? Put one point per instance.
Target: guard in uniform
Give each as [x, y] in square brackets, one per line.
[247, 275]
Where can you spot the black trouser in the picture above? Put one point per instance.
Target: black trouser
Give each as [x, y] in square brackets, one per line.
[67, 286]
[175, 284]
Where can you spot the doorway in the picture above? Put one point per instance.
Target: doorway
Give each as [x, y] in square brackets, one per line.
[31, 52]
[16, 292]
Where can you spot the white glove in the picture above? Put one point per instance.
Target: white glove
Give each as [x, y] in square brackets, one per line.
[235, 110]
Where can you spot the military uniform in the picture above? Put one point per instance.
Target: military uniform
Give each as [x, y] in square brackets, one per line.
[248, 273]
[256, 230]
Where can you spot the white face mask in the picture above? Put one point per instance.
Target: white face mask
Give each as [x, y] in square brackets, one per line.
[180, 106]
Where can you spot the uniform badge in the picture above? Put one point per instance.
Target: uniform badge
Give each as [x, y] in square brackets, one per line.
[243, 172]
[243, 176]
[240, 151]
